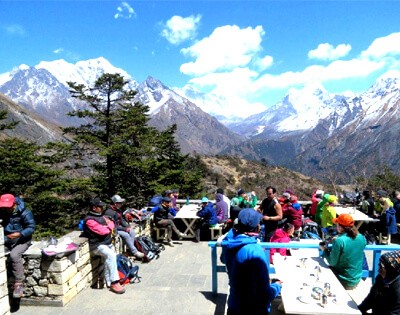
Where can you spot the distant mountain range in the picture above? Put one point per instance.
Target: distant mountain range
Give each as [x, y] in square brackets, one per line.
[309, 130]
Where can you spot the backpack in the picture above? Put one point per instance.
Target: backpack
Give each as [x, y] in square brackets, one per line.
[155, 201]
[147, 246]
[310, 235]
[128, 272]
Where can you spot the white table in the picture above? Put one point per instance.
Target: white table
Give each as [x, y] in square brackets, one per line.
[357, 215]
[188, 214]
[299, 279]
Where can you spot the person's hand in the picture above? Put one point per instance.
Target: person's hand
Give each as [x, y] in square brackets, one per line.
[14, 235]
[253, 193]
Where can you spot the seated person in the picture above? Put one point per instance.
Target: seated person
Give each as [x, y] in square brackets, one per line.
[292, 211]
[127, 233]
[208, 217]
[19, 225]
[281, 236]
[221, 208]
[99, 229]
[384, 296]
[163, 217]
[234, 208]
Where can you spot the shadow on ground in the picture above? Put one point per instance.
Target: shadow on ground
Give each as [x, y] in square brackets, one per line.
[219, 300]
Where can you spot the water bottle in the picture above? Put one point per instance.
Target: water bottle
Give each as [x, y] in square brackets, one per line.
[187, 201]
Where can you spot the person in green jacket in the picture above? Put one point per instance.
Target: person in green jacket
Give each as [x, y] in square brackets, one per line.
[247, 200]
[346, 257]
[318, 212]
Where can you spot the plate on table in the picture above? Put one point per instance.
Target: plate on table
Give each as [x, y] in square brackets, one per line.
[304, 299]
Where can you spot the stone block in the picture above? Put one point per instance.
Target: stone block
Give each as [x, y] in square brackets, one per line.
[69, 295]
[4, 305]
[40, 291]
[2, 264]
[85, 270]
[84, 259]
[85, 282]
[63, 277]
[31, 281]
[75, 279]
[33, 264]
[58, 289]
[1, 236]
[3, 276]
[43, 282]
[42, 301]
[58, 265]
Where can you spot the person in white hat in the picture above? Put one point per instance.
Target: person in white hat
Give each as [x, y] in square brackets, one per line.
[124, 229]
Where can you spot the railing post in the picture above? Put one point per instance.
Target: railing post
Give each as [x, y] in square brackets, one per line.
[214, 275]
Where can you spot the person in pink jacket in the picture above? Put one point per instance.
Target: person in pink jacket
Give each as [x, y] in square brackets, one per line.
[281, 236]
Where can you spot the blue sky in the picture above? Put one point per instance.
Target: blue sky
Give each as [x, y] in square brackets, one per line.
[251, 52]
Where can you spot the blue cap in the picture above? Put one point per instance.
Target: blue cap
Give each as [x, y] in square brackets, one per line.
[204, 199]
[249, 218]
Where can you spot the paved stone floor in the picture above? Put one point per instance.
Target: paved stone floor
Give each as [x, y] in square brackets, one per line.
[179, 282]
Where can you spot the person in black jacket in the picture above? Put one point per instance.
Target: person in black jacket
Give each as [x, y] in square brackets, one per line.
[19, 225]
[384, 297]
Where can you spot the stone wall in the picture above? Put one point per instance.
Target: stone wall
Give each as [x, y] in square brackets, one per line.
[4, 302]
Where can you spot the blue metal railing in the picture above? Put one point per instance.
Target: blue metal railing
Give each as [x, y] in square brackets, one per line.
[215, 268]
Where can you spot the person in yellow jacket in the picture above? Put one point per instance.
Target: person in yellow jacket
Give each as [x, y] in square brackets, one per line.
[328, 214]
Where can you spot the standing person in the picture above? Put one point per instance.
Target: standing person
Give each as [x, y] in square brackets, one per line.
[292, 212]
[124, 229]
[318, 211]
[250, 290]
[19, 225]
[368, 204]
[208, 217]
[221, 208]
[396, 205]
[226, 199]
[347, 254]
[328, 214]
[99, 229]
[271, 211]
[384, 296]
[315, 199]
[163, 217]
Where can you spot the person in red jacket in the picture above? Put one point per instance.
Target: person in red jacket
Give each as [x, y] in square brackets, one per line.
[281, 236]
[292, 211]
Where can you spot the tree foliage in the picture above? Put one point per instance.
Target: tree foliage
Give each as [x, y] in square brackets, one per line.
[133, 158]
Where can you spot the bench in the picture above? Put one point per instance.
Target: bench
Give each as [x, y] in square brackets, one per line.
[216, 231]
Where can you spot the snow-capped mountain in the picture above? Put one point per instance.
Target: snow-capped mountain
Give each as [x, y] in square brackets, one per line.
[44, 90]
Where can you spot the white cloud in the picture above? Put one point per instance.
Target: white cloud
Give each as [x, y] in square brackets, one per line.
[328, 52]
[14, 29]
[58, 50]
[264, 63]
[383, 47]
[226, 48]
[178, 29]
[125, 11]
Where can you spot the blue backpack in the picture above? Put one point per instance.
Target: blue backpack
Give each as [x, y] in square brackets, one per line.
[128, 272]
[155, 201]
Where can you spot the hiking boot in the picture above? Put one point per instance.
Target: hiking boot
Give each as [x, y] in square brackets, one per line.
[18, 290]
[170, 243]
[138, 255]
[117, 288]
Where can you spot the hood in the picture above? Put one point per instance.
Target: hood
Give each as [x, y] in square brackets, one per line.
[391, 210]
[234, 240]
[20, 204]
[219, 198]
[296, 206]
[281, 233]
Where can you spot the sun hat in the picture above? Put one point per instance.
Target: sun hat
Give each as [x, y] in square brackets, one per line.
[344, 219]
[7, 201]
[117, 198]
[204, 199]
[249, 218]
[332, 199]
[391, 261]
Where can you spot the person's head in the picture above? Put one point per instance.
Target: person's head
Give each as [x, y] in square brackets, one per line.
[241, 192]
[165, 201]
[366, 194]
[7, 202]
[389, 265]
[219, 191]
[332, 199]
[175, 193]
[271, 191]
[345, 224]
[168, 193]
[96, 205]
[288, 228]
[319, 193]
[397, 195]
[248, 220]
[381, 193]
[204, 201]
[117, 201]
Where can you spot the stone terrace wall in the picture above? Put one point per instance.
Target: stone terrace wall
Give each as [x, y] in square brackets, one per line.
[55, 281]
[4, 302]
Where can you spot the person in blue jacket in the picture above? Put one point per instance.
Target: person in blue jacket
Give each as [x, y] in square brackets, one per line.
[208, 217]
[250, 290]
[19, 225]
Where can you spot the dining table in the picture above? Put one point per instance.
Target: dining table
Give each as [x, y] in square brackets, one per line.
[309, 286]
[358, 216]
[188, 215]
